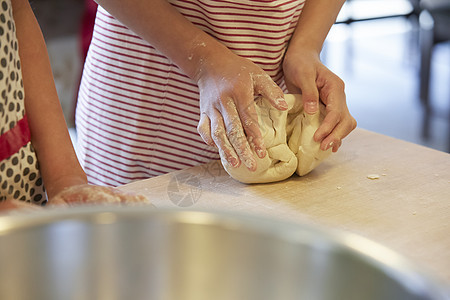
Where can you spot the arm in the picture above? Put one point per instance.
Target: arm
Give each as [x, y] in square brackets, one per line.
[314, 23]
[226, 101]
[304, 71]
[50, 138]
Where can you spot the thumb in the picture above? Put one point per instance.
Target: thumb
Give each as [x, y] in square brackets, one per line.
[310, 96]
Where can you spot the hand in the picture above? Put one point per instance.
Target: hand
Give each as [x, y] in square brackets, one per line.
[228, 120]
[10, 205]
[304, 71]
[91, 194]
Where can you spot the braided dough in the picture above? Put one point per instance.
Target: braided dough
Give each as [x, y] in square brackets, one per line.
[288, 137]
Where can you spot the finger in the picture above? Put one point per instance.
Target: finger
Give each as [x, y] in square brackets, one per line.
[310, 94]
[332, 93]
[236, 135]
[331, 142]
[220, 139]
[56, 201]
[248, 117]
[336, 146]
[341, 130]
[204, 129]
[250, 124]
[331, 88]
[266, 87]
[330, 121]
[12, 204]
[338, 122]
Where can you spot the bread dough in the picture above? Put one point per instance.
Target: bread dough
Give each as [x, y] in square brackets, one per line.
[300, 132]
[280, 162]
[288, 137]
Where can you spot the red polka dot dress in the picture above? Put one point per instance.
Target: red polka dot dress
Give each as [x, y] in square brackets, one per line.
[19, 170]
[137, 112]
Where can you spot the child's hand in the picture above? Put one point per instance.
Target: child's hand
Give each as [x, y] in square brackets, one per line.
[304, 71]
[228, 120]
[11, 205]
[91, 194]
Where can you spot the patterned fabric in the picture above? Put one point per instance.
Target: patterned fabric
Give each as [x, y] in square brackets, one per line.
[137, 112]
[19, 171]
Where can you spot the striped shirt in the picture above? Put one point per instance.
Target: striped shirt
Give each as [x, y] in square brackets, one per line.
[137, 112]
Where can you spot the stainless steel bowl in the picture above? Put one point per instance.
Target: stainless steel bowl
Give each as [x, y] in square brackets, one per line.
[139, 253]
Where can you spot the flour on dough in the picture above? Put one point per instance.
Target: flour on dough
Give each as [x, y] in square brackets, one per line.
[288, 137]
[280, 162]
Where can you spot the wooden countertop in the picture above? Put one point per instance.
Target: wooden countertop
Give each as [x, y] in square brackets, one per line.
[406, 209]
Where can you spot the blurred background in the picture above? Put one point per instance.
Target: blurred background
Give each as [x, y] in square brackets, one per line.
[393, 55]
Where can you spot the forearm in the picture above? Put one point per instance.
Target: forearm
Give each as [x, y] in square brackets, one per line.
[160, 24]
[314, 24]
[58, 163]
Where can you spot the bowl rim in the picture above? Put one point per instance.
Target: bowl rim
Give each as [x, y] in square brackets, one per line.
[392, 263]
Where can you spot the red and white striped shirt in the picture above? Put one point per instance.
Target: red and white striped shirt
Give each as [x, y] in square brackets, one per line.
[137, 112]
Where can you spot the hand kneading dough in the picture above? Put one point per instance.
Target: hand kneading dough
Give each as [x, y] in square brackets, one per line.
[280, 162]
[288, 137]
[300, 131]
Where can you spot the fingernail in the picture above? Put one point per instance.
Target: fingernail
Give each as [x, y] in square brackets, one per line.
[250, 163]
[311, 107]
[260, 152]
[282, 104]
[233, 161]
[330, 144]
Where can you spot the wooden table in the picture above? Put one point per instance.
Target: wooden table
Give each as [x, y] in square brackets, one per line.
[406, 209]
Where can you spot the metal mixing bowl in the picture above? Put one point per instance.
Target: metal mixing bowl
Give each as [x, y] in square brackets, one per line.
[139, 253]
